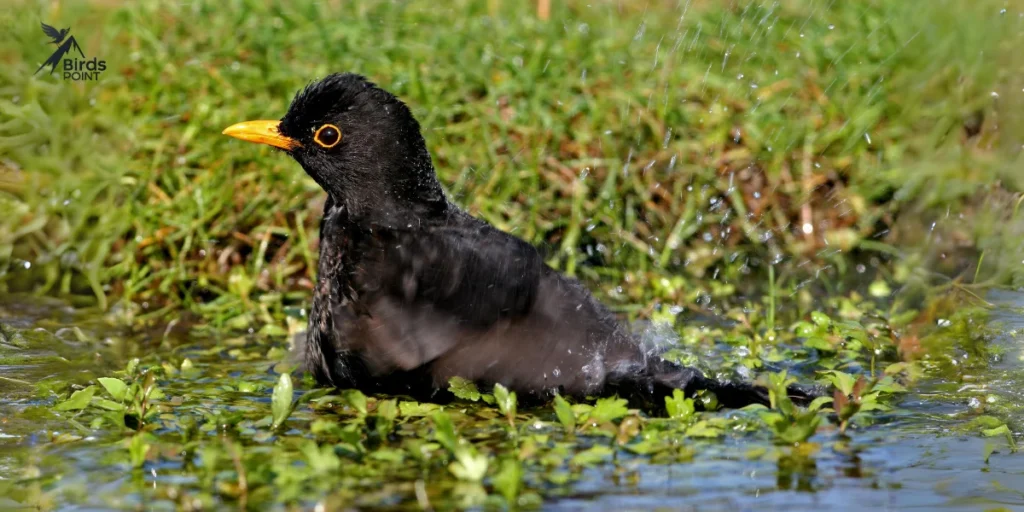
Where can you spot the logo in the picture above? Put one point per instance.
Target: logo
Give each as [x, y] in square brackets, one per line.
[73, 68]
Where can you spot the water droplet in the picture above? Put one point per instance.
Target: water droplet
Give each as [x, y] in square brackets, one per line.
[556, 372]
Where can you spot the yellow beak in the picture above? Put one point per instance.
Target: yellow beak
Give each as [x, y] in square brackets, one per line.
[264, 132]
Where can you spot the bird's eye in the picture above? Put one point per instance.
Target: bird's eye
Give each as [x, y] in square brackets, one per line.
[327, 136]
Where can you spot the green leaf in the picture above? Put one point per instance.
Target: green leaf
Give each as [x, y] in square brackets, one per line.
[819, 402]
[387, 411]
[988, 450]
[646, 447]
[1001, 430]
[703, 429]
[464, 389]
[986, 421]
[591, 456]
[321, 460]
[506, 401]
[843, 381]
[879, 288]
[819, 343]
[469, 465]
[873, 406]
[708, 399]
[281, 400]
[609, 409]
[313, 394]
[804, 329]
[509, 479]
[356, 399]
[777, 392]
[820, 319]
[188, 370]
[109, 405]
[116, 387]
[78, 400]
[415, 409]
[138, 448]
[444, 431]
[678, 406]
[565, 415]
[389, 455]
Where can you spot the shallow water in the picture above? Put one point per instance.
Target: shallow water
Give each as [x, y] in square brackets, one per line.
[916, 456]
[913, 461]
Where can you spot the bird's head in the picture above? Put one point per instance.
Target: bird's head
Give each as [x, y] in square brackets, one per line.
[360, 143]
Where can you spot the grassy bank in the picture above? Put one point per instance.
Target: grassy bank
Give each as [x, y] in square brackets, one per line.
[666, 154]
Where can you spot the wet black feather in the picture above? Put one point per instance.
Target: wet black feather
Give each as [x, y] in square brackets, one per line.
[412, 290]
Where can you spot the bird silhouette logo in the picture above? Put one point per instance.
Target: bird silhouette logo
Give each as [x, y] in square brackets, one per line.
[57, 35]
[63, 46]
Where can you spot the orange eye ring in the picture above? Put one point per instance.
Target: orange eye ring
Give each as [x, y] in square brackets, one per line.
[327, 136]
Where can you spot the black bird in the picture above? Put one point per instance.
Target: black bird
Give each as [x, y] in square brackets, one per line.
[56, 35]
[412, 290]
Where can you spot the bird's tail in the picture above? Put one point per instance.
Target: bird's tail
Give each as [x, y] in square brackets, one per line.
[661, 378]
[740, 394]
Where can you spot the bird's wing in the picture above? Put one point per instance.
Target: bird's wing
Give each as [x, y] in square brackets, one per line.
[469, 300]
[413, 295]
[427, 291]
[50, 31]
[472, 271]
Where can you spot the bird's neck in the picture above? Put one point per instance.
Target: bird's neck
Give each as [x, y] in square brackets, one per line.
[395, 208]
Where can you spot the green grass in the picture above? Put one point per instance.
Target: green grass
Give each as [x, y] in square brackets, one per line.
[661, 153]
